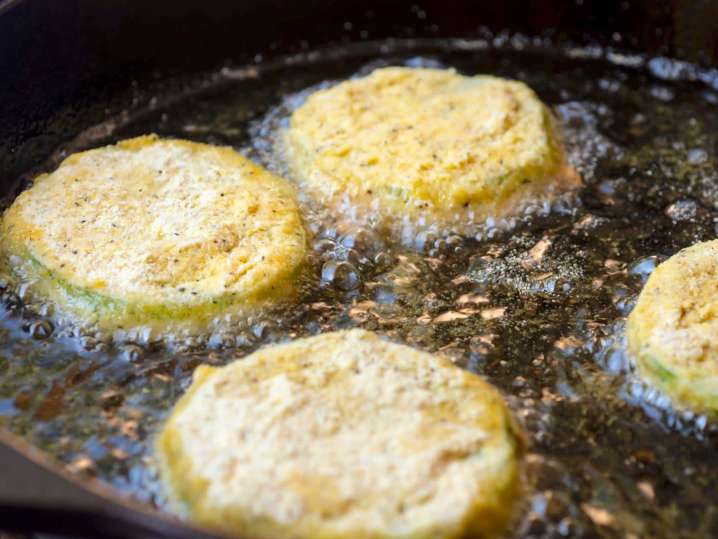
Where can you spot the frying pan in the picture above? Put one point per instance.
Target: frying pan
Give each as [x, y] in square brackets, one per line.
[65, 66]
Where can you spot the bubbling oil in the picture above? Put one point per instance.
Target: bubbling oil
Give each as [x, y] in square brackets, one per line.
[536, 305]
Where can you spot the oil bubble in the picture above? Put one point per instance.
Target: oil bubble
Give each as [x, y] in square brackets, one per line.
[132, 353]
[343, 275]
[383, 261]
[645, 266]
[682, 210]
[41, 330]
[324, 245]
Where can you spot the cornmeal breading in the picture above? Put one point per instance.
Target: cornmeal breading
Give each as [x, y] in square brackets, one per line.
[673, 330]
[429, 146]
[343, 435]
[156, 232]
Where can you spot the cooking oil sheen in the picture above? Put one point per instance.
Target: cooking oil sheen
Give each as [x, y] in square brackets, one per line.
[536, 305]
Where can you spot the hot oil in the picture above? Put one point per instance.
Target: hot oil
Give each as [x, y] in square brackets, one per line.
[538, 310]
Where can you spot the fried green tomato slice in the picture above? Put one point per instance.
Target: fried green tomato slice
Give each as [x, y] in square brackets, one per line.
[155, 232]
[343, 435]
[673, 330]
[428, 147]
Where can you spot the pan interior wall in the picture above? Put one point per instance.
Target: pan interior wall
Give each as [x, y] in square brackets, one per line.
[67, 66]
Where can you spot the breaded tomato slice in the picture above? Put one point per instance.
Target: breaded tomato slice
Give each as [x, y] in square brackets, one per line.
[343, 435]
[428, 147]
[673, 329]
[155, 232]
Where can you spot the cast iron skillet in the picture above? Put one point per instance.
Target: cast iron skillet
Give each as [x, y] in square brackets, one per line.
[66, 65]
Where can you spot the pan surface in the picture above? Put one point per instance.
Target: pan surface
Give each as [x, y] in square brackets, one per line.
[538, 308]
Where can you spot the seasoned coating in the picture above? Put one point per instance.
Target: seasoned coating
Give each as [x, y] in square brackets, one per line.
[673, 330]
[428, 146]
[156, 233]
[343, 435]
